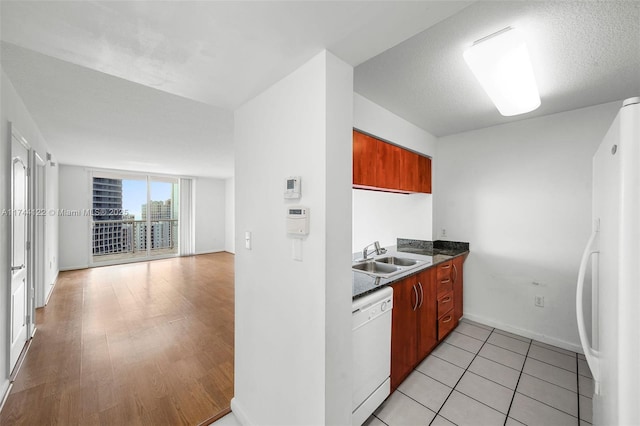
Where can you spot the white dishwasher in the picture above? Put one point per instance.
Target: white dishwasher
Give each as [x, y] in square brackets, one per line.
[371, 364]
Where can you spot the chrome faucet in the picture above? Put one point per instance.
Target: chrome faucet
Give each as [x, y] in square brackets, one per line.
[377, 249]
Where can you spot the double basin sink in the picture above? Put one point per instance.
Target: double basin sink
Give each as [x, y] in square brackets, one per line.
[386, 267]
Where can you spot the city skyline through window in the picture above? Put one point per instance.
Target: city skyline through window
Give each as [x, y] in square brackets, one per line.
[134, 218]
[134, 195]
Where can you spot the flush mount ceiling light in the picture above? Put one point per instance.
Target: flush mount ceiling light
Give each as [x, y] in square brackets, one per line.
[502, 65]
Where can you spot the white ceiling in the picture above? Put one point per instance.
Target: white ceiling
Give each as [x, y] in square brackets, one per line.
[75, 64]
[152, 86]
[583, 53]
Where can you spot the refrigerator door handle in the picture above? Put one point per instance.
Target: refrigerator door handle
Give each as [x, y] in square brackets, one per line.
[590, 354]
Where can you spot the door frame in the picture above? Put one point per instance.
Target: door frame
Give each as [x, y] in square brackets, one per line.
[39, 234]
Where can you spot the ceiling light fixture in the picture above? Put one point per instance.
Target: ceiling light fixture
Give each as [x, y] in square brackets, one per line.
[502, 65]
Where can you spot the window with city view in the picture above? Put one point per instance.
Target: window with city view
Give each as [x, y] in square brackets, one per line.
[134, 218]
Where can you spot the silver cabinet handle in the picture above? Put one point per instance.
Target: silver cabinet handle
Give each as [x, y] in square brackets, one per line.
[421, 294]
[416, 292]
[456, 271]
[17, 268]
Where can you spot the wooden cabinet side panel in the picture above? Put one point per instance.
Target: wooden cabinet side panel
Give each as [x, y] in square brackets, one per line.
[427, 314]
[365, 156]
[458, 286]
[424, 174]
[403, 331]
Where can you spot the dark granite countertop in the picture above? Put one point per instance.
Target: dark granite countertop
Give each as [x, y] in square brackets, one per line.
[429, 252]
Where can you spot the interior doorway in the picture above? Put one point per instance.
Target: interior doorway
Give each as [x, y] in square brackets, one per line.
[21, 303]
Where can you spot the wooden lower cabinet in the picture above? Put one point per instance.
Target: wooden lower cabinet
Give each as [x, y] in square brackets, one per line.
[427, 314]
[413, 324]
[404, 330]
[426, 308]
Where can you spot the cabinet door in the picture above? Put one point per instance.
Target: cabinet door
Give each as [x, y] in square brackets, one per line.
[388, 166]
[403, 330]
[457, 286]
[365, 156]
[424, 171]
[409, 171]
[427, 313]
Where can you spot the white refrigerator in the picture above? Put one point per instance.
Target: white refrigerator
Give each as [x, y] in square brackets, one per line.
[613, 250]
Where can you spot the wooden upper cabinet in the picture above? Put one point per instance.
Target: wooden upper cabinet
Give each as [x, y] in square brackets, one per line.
[383, 166]
[409, 171]
[424, 178]
[365, 155]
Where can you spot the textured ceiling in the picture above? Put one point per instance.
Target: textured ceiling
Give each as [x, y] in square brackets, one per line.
[219, 52]
[152, 86]
[101, 78]
[583, 53]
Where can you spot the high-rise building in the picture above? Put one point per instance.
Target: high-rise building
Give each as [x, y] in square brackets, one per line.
[162, 230]
[159, 210]
[107, 203]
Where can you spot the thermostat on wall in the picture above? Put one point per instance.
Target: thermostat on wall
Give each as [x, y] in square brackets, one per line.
[292, 187]
[297, 221]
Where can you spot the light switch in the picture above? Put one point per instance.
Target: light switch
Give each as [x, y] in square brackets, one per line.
[247, 240]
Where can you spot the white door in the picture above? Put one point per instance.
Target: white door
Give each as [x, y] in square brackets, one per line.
[19, 258]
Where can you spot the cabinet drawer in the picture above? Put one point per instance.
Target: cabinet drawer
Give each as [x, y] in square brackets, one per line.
[444, 285]
[446, 324]
[444, 270]
[445, 304]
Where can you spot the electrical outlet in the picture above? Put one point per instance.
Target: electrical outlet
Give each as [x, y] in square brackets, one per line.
[539, 301]
[444, 232]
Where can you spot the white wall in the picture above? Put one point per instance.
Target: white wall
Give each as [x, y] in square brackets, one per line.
[74, 230]
[379, 216]
[520, 193]
[13, 110]
[292, 330]
[209, 215]
[384, 216]
[229, 216]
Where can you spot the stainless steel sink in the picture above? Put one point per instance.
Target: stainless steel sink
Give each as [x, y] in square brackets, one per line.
[386, 267]
[376, 268]
[400, 261]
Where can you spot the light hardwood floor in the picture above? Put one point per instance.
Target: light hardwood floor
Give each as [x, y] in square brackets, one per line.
[143, 343]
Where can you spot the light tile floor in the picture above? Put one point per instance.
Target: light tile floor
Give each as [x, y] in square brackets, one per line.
[485, 376]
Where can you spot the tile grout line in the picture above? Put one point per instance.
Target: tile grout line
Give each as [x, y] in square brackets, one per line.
[517, 383]
[547, 347]
[461, 376]
[553, 365]
[546, 381]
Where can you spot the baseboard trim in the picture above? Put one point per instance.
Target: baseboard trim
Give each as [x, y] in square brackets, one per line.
[240, 413]
[208, 252]
[215, 418]
[72, 268]
[7, 390]
[20, 361]
[53, 287]
[526, 333]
